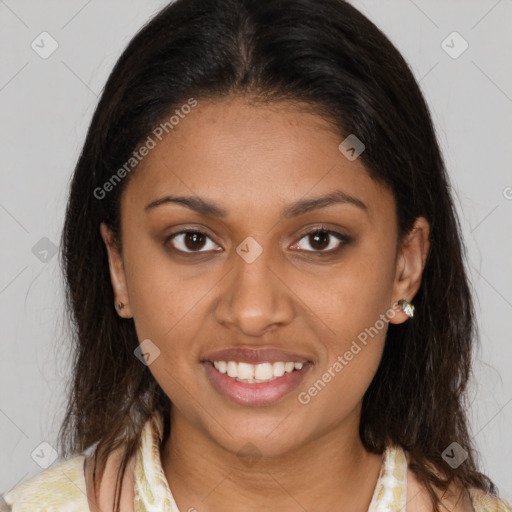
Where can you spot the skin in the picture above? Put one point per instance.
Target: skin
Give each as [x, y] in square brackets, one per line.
[418, 500]
[253, 161]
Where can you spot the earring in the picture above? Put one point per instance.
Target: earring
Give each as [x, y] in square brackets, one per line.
[120, 306]
[407, 307]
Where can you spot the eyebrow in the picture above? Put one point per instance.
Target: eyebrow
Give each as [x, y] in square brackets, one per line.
[205, 207]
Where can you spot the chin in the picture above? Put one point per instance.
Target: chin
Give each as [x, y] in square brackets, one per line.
[269, 439]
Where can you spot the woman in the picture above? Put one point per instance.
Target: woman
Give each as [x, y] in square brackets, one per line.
[266, 277]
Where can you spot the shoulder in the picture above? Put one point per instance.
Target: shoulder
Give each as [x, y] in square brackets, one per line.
[483, 502]
[455, 499]
[104, 498]
[60, 487]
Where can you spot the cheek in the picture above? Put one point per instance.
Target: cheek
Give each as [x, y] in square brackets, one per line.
[352, 316]
[161, 293]
[336, 393]
[352, 294]
[351, 352]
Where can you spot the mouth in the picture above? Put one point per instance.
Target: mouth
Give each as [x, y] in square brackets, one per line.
[262, 383]
[256, 373]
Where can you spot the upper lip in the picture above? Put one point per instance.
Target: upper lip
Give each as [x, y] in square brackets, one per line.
[254, 355]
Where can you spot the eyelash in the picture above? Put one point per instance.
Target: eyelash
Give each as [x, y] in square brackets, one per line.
[344, 239]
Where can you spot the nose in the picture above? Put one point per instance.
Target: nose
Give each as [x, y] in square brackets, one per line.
[255, 298]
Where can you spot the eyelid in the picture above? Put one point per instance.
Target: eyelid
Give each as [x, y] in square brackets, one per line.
[185, 231]
[342, 238]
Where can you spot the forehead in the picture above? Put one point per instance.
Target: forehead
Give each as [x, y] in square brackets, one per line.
[239, 154]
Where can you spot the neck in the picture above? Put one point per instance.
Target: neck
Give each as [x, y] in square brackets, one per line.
[332, 469]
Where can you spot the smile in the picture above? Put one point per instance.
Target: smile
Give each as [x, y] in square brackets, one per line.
[255, 373]
[263, 383]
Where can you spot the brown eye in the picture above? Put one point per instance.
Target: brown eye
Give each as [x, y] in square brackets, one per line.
[323, 240]
[191, 241]
[320, 240]
[194, 241]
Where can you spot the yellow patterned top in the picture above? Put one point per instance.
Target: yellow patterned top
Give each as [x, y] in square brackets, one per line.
[61, 487]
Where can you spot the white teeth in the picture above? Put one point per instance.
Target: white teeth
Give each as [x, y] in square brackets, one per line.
[261, 372]
[222, 366]
[232, 369]
[289, 367]
[278, 369]
[245, 371]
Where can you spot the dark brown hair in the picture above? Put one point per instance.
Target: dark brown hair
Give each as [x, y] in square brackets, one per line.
[324, 54]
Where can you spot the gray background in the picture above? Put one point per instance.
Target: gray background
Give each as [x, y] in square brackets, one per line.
[46, 106]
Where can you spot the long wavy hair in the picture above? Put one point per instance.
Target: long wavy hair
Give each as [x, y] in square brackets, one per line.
[326, 55]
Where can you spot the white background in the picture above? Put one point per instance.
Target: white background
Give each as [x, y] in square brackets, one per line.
[46, 106]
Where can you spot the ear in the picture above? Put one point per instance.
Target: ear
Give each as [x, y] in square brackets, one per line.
[410, 263]
[117, 275]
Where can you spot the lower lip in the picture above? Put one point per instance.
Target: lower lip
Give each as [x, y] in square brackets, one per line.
[261, 393]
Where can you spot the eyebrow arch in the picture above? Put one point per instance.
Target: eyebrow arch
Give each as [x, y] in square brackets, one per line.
[205, 207]
[306, 205]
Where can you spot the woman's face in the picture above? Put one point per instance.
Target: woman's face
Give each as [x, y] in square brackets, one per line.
[260, 277]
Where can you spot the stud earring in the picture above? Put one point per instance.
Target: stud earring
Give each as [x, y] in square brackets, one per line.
[407, 307]
[120, 306]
